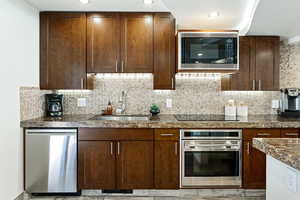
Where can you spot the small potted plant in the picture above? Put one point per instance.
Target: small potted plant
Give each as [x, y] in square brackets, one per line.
[154, 110]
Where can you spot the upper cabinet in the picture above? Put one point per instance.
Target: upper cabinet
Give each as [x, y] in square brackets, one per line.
[259, 65]
[63, 51]
[164, 53]
[137, 42]
[103, 42]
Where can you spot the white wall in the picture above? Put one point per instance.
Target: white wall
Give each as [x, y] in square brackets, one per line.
[282, 181]
[19, 58]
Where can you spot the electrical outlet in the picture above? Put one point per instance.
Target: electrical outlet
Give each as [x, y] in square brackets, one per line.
[275, 104]
[169, 103]
[81, 102]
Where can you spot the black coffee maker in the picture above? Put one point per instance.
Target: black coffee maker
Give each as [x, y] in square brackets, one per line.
[54, 106]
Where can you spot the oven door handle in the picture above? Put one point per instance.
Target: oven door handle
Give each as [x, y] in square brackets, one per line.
[214, 148]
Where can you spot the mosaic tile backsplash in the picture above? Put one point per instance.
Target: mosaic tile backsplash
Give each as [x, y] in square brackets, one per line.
[194, 94]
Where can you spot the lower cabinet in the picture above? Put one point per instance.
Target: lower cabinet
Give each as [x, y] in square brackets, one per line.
[254, 161]
[97, 166]
[135, 165]
[166, 158]
[107, 160]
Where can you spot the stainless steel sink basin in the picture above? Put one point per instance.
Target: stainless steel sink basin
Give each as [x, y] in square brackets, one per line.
[122, 117]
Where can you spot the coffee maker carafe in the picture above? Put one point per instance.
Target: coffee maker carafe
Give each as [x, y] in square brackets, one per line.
[290, 102]
[54, 106]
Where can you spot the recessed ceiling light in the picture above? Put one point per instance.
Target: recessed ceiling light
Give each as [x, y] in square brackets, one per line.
[84, 1]
[213, 14]
[148, 2]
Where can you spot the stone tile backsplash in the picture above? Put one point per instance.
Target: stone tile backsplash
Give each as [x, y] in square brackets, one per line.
[194, 94]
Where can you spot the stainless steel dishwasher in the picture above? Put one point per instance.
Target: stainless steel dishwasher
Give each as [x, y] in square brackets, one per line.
[51, 161]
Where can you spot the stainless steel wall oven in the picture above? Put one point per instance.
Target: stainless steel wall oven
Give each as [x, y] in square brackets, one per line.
[211, 158]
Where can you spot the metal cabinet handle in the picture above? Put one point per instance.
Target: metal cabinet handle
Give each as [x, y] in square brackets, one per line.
[259, 84]
[291, 134]
[176, 150]
[119, 147]
[82, 84]
[263, 134]
[122, 66]
[116, 65]
[253, 84]
[111, 148]
[248, 148]
[166, 134]
[172, 83]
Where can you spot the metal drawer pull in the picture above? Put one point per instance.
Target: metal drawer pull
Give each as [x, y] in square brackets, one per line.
[172, 83]
[116, 65]
[263, 134]
[111, 148]
[253, 84]
[119, 148]
[166, 134]
[176, 148]
[122, 66]
[82, 83]
[248, 148]
[259, 85]
[291, 134]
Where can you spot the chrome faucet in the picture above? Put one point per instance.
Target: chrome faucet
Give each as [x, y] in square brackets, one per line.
[121, 104]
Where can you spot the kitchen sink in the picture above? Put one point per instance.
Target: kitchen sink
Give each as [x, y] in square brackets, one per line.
[122, 117]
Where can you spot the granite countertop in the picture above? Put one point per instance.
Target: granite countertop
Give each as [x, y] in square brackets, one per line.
[164, 121]
[286, 150]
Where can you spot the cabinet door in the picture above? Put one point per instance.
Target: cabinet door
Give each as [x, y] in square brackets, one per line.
[166, 170]
[137, 42]
[254, 168]
[96, 165]
[267, 63]
[63, 51]
[103, 42]
[135, 165]
[164, 51]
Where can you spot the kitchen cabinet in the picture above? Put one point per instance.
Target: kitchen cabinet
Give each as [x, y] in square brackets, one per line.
[135, 165]
[254, 161]
[290, 133]
[103, 42]
[259, 65]
[62, 50]
[166, 169]
[137, 42]
[164, 51]
[97, 167]
[123, 158]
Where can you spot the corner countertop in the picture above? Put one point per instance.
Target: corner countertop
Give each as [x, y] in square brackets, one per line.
[286, 150]
[164, 121]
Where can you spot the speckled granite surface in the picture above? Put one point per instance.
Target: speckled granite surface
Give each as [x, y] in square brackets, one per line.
[283, 149]
[165, 121]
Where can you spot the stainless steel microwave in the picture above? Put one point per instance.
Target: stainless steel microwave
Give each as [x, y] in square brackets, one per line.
[208, 51]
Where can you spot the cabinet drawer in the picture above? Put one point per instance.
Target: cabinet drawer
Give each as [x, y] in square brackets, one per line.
[166, 134]
[248, 134]
[290, 133]
[90, 134]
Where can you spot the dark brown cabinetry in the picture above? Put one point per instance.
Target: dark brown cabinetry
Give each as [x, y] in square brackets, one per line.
[115, 158]
[137, 42]
[166, 170]
[259, 65]
[103, 42]
[63, 51]
[164, 53]
[96, 164]
[135, 165]
[254, 161]
[290, 133]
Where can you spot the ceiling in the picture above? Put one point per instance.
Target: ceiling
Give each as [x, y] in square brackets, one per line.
[281, 18]
[267, 17]
[97, 5]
